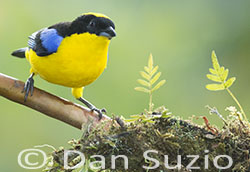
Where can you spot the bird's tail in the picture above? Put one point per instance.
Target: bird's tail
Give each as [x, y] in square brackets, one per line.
[20, 52]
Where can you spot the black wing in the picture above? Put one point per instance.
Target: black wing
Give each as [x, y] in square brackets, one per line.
[32, 39]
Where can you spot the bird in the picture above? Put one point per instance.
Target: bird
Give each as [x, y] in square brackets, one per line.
[72, 54]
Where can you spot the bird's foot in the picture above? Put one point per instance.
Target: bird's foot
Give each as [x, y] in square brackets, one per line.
[99, 111]
[93, 108]
[28, 87]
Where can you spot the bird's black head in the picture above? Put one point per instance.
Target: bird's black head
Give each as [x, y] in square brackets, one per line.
[95, 24]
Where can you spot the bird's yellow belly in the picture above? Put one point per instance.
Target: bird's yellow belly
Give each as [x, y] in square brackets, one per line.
[79, 60]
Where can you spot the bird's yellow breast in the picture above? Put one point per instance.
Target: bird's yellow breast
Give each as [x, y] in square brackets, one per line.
[79, 60]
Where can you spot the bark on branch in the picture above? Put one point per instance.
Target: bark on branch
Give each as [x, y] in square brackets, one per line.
[48, 104]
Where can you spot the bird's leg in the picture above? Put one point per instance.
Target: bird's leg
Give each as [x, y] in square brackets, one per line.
[92, 107]
[28, 87]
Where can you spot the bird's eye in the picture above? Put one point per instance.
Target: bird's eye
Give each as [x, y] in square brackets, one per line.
[92, 24]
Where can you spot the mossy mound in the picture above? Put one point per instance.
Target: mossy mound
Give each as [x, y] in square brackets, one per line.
[168, 136]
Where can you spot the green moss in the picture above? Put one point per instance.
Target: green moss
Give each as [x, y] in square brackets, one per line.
[169, 136]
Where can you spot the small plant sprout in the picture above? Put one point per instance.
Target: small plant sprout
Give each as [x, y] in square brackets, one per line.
[219, 74]
[149, 84]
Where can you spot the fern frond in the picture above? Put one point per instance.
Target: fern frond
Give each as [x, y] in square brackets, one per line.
[149, 82]
[218, 74]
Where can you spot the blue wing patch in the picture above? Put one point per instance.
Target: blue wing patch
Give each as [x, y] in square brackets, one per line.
[50, 40]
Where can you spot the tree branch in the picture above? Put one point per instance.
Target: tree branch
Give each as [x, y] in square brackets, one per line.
[48, 104]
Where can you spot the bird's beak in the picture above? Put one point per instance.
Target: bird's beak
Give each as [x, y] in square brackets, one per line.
[109, 32]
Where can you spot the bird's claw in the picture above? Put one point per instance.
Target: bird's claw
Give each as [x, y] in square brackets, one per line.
[99, 111]
[103, 110]
[28, 88]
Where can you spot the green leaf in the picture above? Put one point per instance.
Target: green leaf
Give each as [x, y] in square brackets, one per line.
[222, 69]
[144, 75]
[155, 78]
[212, 71]
[150, 62]
[218, 74]
[146, 69]
[158, 85]
[154, 71]
[215, 62]
[143, 82]
[214, 78]
[142, 89]
[165, 116]
[131, 120]
[215, 87]
[148, 120]
[224, 75]
[229, 82]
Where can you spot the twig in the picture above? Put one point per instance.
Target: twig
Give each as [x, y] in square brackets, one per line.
[215, 111]
[48, 104]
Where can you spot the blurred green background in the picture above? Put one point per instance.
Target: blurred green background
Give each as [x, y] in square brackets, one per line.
[179, 34]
